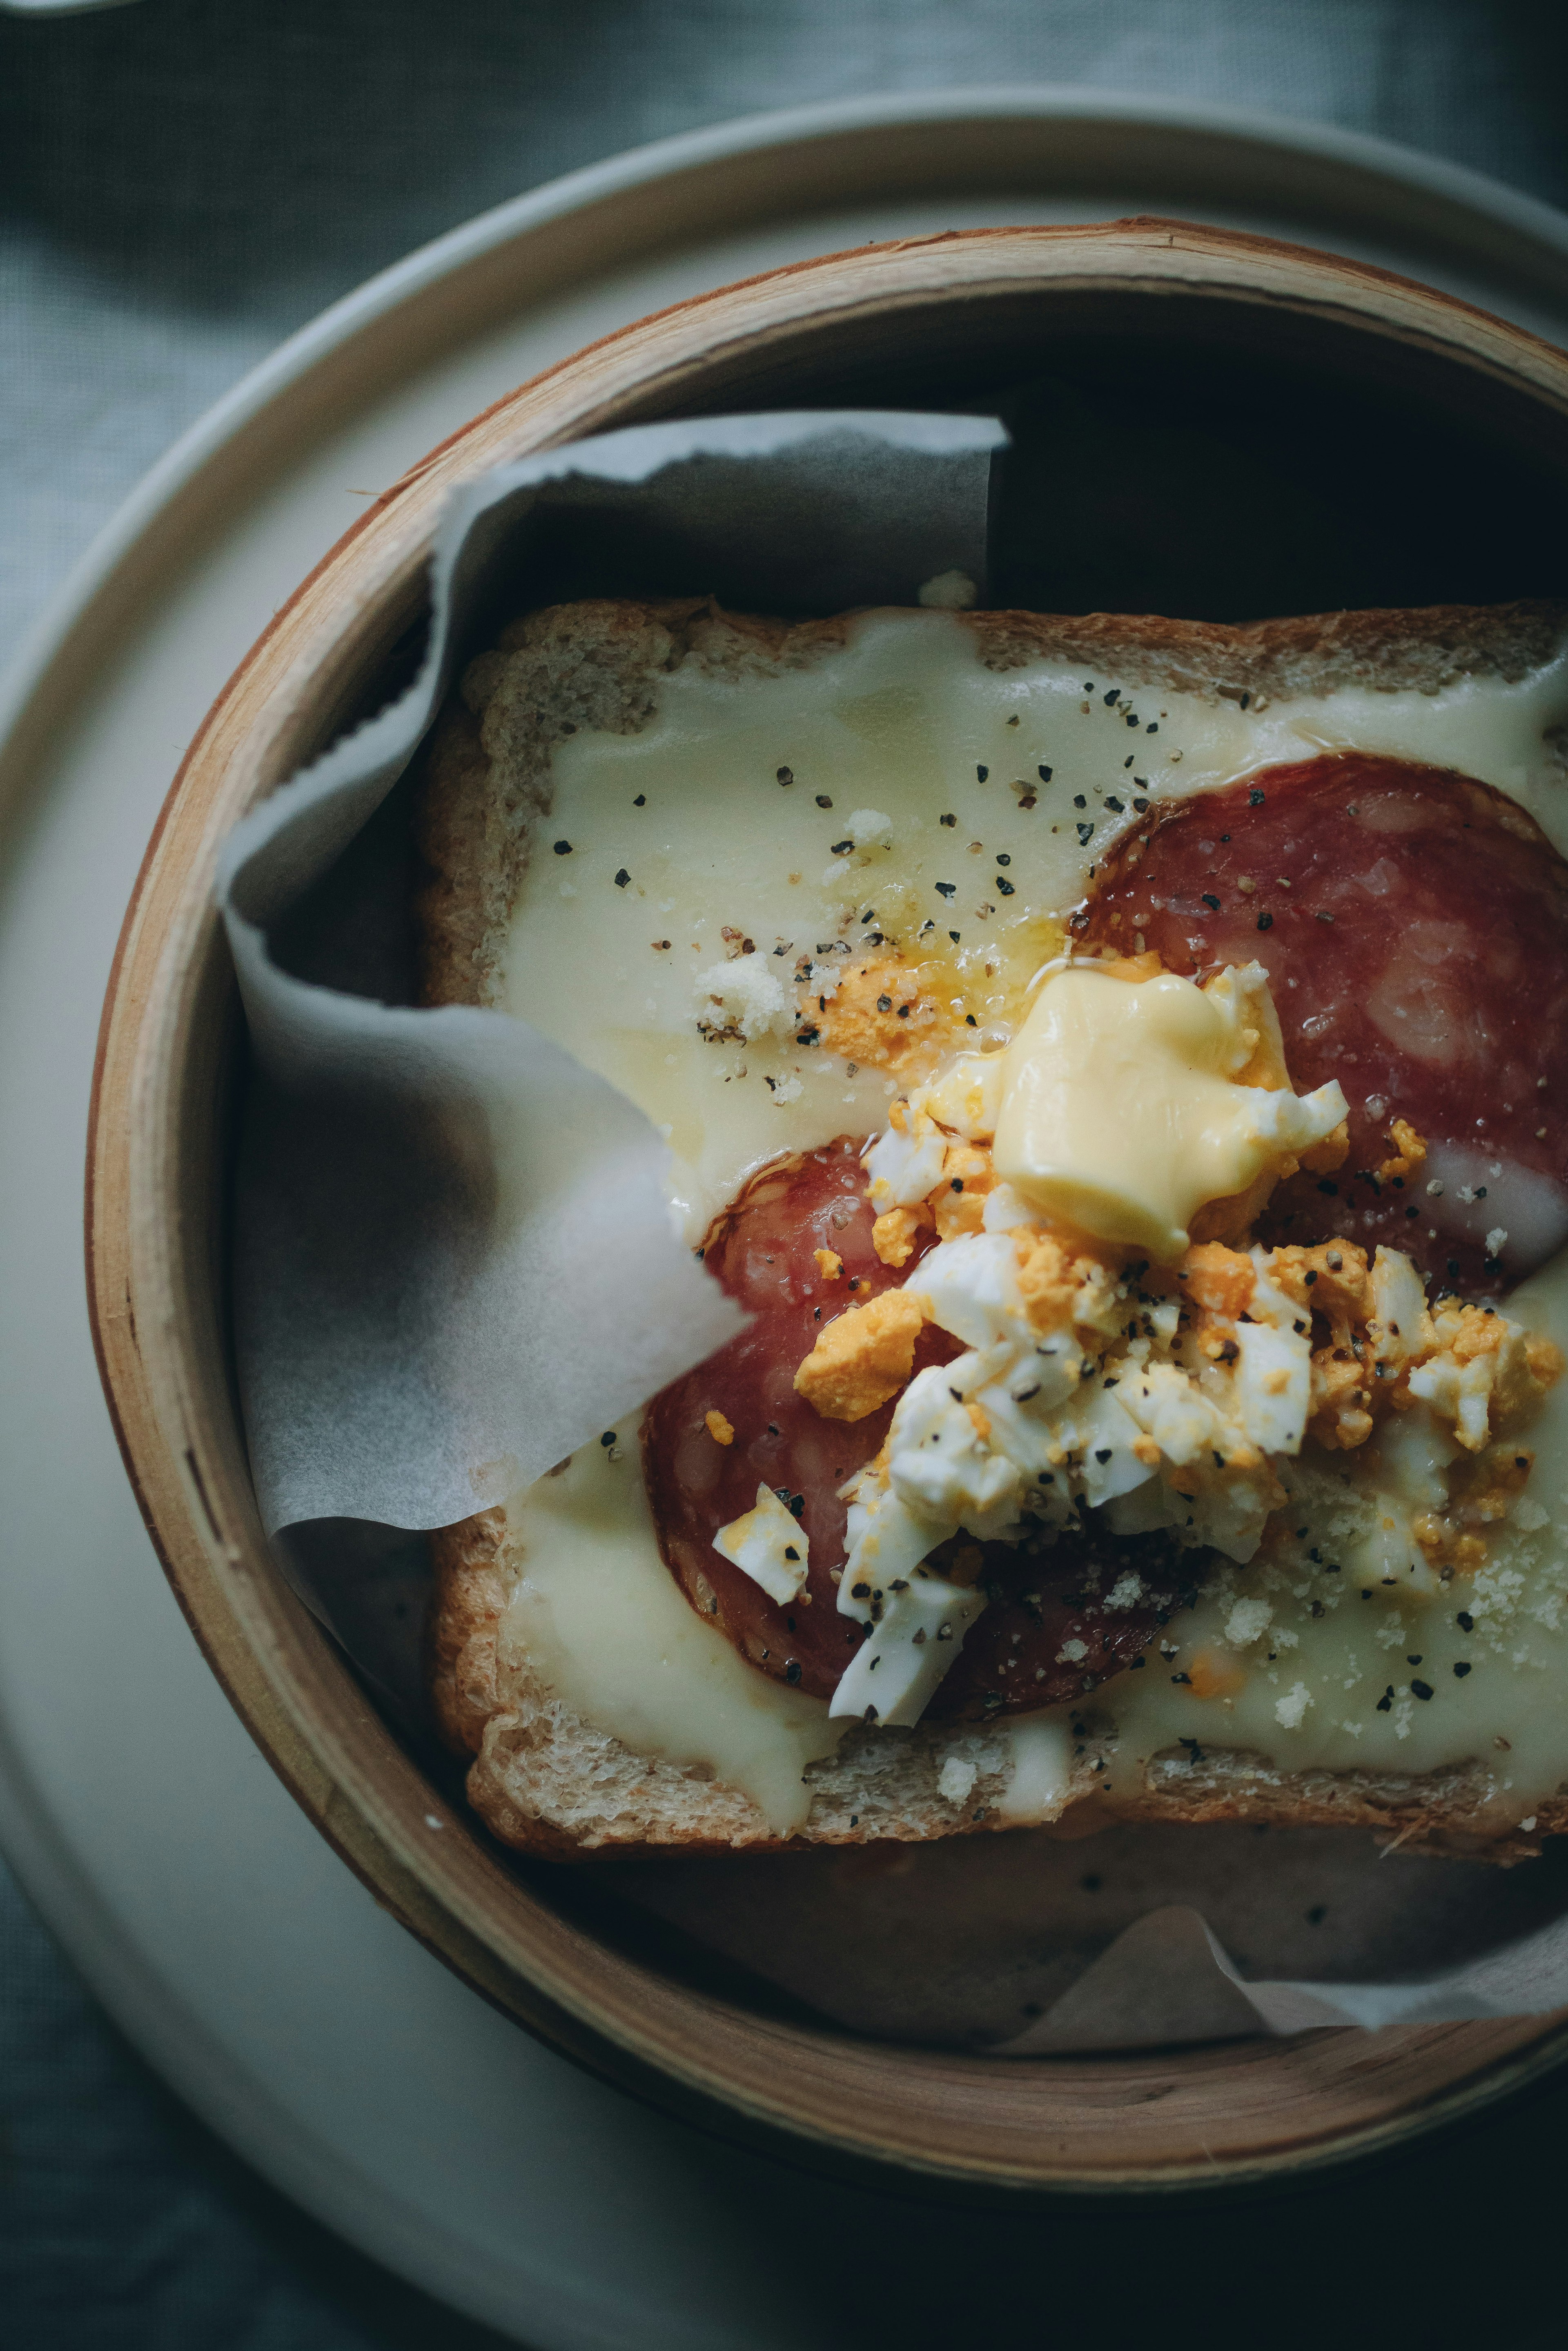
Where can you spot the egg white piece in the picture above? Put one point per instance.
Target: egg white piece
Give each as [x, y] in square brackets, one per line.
[768, 1545]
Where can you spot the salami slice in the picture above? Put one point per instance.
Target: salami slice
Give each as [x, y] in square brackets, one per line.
[763, 1250]
[1048, 1632]
[1413, 923]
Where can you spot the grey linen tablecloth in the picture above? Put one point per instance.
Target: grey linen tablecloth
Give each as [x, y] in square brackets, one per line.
[183, 182]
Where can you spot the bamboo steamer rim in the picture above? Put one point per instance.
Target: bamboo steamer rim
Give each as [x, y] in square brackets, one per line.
[1236, 2114]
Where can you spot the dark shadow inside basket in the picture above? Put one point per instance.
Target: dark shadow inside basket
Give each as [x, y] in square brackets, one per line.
[1205, 457]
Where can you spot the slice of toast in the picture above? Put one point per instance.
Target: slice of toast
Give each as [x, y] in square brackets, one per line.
[545, 1779]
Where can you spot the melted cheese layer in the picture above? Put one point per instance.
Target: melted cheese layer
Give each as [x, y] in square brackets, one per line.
[599, 1616]
[906, 719]
[1329, 1646]
[903, 718]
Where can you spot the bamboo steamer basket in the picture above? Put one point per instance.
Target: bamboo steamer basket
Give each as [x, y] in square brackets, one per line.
[927, 321]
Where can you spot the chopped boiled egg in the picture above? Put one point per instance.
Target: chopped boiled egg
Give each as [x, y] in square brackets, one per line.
[943, 1465]
[862, 1357]
[967, 1098]
[905, 1163]
[891, 1676]
[1484, 1368]
[768, 1545]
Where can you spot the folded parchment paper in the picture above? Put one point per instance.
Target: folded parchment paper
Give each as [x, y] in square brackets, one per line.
[422, 1323]
[455, 1261]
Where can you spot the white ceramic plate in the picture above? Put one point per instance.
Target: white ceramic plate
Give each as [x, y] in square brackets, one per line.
[223, 1935]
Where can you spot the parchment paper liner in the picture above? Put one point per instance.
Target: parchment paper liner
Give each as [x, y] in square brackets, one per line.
[454, 1265]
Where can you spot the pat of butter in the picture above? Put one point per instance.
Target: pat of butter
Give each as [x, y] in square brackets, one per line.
[1120, 1114]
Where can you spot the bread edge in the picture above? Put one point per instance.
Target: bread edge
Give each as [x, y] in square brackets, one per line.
[521, 1740]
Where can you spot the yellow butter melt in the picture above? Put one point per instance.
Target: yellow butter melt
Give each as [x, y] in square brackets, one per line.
[1121, 1114]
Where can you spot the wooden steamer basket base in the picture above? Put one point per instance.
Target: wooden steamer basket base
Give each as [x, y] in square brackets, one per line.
[935, 321]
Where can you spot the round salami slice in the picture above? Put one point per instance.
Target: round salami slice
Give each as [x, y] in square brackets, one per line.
[1064, 1615]
[1414, 924]
[763, 1250]
[1050, 1631]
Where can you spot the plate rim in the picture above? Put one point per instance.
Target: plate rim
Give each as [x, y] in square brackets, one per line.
[158, 497]
[202, 442]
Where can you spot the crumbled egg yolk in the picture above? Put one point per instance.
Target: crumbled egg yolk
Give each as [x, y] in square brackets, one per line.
[882, 1014]
[862, 1357]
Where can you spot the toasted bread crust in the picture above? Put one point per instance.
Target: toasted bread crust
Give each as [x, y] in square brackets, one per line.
[1269, 660]
[544, 1779]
